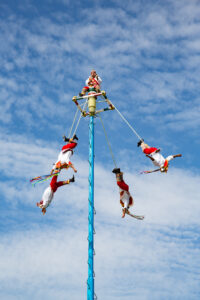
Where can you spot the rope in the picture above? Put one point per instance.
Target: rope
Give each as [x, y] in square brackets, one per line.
[134, 131]
[80, 118]
[100, 101]
[113, 158]
[73, 123]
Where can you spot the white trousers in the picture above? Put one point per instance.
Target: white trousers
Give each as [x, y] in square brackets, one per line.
[125, 199]
[63, 157]
[47, 197]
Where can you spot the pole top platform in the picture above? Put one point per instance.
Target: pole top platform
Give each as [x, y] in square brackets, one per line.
[91, 102]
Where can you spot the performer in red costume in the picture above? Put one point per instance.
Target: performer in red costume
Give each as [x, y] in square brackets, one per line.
[50, 190]
[156, 157]
[64, 156]
[126, 199]
[92, 83]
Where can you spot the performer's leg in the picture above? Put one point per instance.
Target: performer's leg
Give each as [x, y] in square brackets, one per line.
[97, 89]
[60, 183]
[84, 90]
[177, 155]
[53, 181]
[122, 185]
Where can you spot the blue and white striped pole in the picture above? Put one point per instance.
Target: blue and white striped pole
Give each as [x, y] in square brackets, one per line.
[90, 281]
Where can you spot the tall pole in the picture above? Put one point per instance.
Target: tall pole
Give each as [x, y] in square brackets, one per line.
[90, 281]
[91, 102]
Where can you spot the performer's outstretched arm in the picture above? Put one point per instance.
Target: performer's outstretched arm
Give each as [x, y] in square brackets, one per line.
[72, 166]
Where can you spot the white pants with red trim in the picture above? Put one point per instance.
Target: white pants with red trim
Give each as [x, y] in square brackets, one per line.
[63, 157]
[170, 157]
[159, 160]
[125, 198]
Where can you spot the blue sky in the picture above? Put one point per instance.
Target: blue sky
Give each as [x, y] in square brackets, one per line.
[148, 55]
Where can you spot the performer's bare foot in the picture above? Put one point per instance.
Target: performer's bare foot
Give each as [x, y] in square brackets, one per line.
[44, 211]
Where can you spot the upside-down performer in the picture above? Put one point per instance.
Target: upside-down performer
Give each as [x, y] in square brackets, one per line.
[156, 157]
[63, 161]
[48, 194]
[92, 83]
[126, 199]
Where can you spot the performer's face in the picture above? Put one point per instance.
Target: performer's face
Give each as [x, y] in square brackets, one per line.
[93, 73]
